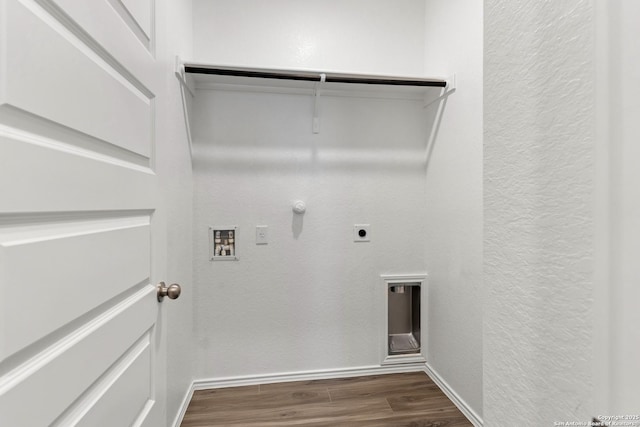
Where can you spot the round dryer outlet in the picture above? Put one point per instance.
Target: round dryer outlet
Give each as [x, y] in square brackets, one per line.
[361, 233]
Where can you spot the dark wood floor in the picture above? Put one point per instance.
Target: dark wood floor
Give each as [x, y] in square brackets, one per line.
[392, 400]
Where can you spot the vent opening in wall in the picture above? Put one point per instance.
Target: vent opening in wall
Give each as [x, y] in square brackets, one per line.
[403, 319]
[403, 338]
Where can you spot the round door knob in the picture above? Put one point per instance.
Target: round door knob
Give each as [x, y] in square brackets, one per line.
[171, 291]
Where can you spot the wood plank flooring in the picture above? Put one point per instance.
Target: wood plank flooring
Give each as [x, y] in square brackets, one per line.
[393, 400]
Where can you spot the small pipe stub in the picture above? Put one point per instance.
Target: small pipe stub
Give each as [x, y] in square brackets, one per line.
[299, 207]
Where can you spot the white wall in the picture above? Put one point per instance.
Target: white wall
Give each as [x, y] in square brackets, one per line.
[617, 343]
[254, 154]
[367, 36]
[310, 299]
[453, 44]
[174, 38]
[539, 185]
[625, 103]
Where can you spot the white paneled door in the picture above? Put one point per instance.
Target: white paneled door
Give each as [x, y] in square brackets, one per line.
[80, 325]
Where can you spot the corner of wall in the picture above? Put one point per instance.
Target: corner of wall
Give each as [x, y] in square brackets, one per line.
[453, 44]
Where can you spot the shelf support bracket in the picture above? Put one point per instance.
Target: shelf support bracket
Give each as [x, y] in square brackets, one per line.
[446, 91]
[180, 74]
[316, 101]
[184, 88]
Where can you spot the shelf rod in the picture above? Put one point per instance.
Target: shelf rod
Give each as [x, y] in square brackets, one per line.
[311, 77]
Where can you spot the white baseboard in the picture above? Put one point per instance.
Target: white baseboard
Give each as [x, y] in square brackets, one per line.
[205, 384]
[183, 407]
[475, 419]
[306, 376]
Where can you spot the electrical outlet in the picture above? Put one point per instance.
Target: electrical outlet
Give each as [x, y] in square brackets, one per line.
[262, 235]
[361, 233]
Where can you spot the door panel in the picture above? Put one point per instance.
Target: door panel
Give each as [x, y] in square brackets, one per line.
[114, 394]
[63, 372]
[53, 74]
[80, 324]
[139, 15]
[59, 171]
[103, 22]
[110, 255]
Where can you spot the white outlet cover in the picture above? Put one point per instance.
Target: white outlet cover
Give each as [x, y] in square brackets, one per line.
[357, 228]
[262, 235]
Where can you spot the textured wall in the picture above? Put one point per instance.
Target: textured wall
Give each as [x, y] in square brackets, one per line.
[310, 299]
[367, 36]
[454, 199]
[538, 209]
